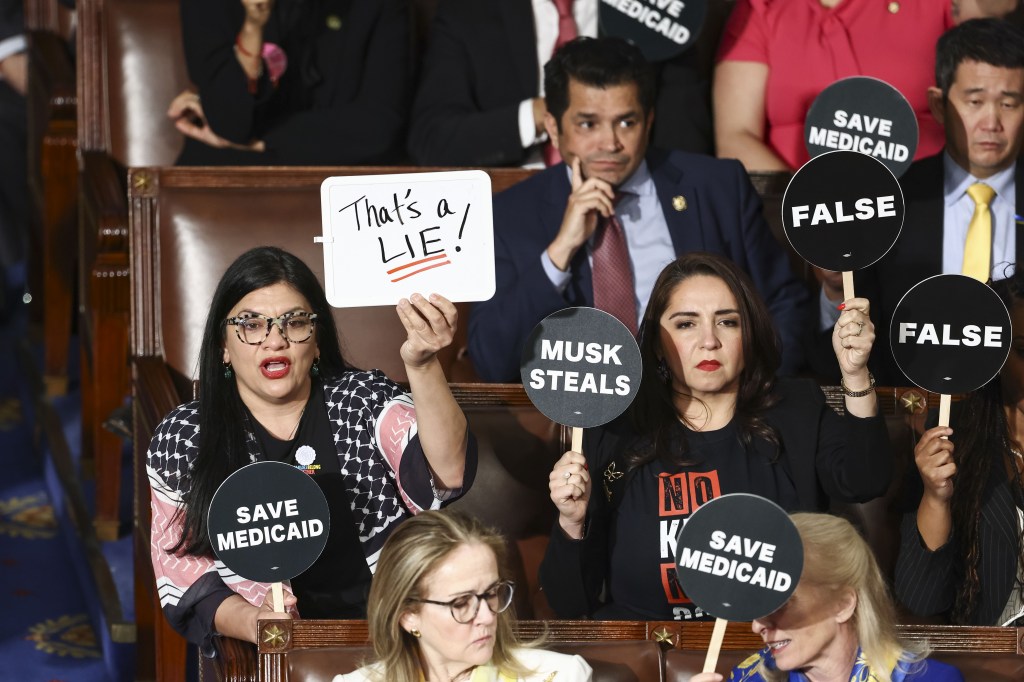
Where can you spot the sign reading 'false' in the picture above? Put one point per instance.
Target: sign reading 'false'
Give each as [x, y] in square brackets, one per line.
[660, 28]
[950, 334]
[389, 236]
[864, 115]
[842, 211]
[581, 367]
[269, 522]
[739, 557]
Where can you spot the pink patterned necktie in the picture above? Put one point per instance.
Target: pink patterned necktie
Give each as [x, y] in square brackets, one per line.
[614, 292]
[566, 31]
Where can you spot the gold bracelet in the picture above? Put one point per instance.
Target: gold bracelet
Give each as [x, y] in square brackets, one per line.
[858, 394]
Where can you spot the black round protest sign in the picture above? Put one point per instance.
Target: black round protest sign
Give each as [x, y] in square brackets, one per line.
[581, 367]
[269, 522]
[842, 211]
[660, 28]
[950, 334]
[739, 557]
[864, 115]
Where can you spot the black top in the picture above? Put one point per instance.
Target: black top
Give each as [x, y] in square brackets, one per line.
[656, 503]
[338, 583]
[628, 542]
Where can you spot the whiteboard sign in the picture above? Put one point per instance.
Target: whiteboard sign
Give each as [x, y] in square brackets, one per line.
[389, 236]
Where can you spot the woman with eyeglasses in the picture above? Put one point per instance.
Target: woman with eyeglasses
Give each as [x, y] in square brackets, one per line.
[273, 385]
[440, 610]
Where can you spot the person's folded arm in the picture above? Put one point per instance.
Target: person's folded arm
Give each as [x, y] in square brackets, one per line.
[738, 98]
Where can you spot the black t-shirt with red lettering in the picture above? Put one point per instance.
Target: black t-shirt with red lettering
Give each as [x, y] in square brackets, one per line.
[624, 566]
[655, 504]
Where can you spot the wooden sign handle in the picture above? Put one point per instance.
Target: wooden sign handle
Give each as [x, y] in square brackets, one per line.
[944, 400]
[577, 439]
[715, 646]
[278, 592]
[848, 285]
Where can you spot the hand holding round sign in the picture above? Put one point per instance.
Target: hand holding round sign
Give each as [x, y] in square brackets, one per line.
[581, 367]
[269, 522]
[739, 557]
[661, 29]
[950, 334]
[842, 211]
[864, 115]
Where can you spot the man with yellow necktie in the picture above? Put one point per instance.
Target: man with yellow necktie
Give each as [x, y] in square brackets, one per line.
[963, 206]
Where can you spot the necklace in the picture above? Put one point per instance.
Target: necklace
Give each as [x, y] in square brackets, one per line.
[297, 422]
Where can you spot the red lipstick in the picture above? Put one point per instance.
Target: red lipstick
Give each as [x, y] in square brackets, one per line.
[275, 368]
[709, 365]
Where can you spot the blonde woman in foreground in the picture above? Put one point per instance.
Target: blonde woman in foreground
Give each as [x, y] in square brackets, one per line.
[838, 624]
[439, 610]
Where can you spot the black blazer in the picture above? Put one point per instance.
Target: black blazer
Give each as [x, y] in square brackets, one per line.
[481, 62]
[343, 99]
[926, 582]
[916, 255]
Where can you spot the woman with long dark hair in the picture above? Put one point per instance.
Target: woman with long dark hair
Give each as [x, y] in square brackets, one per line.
[710, 418]
[273, 385]
[961, 551]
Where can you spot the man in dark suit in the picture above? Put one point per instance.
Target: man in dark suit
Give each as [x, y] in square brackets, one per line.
[479, 101]
[979, 99]
[600, 95]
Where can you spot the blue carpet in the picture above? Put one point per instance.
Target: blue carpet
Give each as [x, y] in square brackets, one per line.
[47, 633]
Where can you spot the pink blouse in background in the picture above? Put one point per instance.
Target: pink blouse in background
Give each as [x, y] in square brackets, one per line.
[808, 47]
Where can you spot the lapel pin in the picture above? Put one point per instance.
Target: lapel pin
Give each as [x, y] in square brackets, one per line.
[334, 22]
[679, 203]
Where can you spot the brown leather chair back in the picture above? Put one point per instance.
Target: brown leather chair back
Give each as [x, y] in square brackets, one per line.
[625, 661]
[189, 224]
[321, 665]
[132, 64]
[682, 664]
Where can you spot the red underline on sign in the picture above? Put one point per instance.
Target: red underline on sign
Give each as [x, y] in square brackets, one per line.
[417, 262]
[416, 272]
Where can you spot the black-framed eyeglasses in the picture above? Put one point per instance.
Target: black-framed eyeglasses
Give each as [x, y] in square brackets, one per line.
[253, 328]
[465, 607]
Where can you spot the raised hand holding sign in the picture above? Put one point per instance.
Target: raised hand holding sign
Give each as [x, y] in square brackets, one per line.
[950, 334]
[581, 367]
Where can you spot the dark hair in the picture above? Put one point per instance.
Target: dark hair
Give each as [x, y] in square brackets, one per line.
[982, 434]
[653, 412]
[222, 416]
[989, 41]
[597, 63]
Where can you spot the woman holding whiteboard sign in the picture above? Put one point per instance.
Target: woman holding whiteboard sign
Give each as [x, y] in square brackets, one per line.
[273, 385]
[710, 418]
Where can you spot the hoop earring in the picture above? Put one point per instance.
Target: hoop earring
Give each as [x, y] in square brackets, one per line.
[229, 372]
[314, 369]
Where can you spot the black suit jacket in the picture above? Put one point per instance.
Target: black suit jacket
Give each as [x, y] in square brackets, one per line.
[916, 255]
[723, 215]
[343, 99]
[482, 62]
[926, 582]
